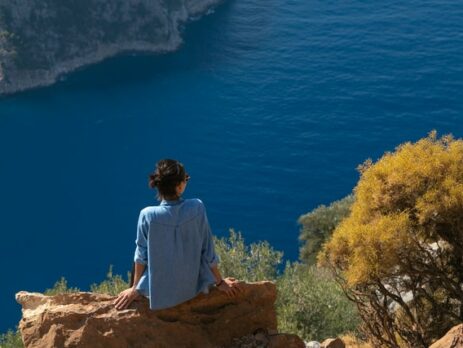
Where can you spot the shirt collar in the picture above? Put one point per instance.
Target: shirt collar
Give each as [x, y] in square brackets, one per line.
[173, 202]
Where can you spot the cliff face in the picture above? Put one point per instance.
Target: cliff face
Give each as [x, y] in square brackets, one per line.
[42, 39]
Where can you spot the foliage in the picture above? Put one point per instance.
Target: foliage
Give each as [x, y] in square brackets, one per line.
[60, 287]
[11, 339]
[318, 226]
[112, 285]
[312, 305]
[255, 262]
[398, 255]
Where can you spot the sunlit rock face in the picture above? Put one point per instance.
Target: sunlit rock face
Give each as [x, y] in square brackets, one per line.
[91, 320]
[452, 339]
[43, 39]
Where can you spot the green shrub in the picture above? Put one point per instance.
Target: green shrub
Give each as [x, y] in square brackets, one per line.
[258, 261]
[312, 305]
[318, 225]
[112, 285]
[11, 339]
[60, 287]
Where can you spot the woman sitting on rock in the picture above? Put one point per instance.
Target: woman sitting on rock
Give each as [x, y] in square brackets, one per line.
[174, 257]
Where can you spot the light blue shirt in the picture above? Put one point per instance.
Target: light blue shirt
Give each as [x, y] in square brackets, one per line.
[174, 240]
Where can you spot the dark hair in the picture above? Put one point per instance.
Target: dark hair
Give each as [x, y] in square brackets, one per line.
[166, 177]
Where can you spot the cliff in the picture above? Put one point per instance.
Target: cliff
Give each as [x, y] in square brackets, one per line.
[215, 320]
[43, 39]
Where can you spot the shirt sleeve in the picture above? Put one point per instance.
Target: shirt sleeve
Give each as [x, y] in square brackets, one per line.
[208, 250]
[141, 250]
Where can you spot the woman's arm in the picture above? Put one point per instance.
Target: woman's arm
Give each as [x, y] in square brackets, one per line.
[216, 272]
[140, 261]
[139, 269]
[125, 298]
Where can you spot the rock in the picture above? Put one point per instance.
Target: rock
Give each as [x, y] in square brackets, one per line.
[90, 320]
[452, 339]
[313, 344]
[333, 343]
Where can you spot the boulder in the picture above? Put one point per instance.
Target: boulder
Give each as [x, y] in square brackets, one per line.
[87, 319]
[452, 339]
[333, 343]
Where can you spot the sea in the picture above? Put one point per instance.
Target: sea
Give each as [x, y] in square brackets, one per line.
[270, 105]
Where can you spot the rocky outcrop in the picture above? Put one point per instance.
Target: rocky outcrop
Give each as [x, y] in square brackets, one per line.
[333, 343]
[91, 320]
[43, 39]
[452, 339]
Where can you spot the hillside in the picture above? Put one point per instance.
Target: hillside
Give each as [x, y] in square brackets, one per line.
[43, 39]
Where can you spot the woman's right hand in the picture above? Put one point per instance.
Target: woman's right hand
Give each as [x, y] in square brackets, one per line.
[230, 286]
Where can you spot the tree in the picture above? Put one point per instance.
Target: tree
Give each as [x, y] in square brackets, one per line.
[318, 225]
[399, 254]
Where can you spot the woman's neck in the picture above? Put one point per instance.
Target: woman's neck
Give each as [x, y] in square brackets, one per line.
[173, 198]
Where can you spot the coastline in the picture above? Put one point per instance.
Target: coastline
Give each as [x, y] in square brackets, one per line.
[13, 80]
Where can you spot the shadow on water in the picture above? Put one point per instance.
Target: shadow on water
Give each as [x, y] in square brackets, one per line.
[200, 38]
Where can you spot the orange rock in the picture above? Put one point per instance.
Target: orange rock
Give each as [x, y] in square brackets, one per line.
[90, 320]
[452, 339]
[286, 341]
[333, 343]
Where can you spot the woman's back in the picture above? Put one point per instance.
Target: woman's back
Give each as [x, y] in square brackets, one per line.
[175, 241]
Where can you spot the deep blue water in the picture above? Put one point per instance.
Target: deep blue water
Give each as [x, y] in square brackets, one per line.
[271, 105]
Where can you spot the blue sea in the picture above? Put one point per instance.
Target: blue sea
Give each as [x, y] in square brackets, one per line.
[271, 105]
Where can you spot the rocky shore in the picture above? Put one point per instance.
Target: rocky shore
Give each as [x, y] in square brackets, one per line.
[40, 40]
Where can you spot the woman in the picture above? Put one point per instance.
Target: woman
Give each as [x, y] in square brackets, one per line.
[174, 256]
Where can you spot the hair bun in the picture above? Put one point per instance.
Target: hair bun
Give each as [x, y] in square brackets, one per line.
[166, 177]
[154, 181]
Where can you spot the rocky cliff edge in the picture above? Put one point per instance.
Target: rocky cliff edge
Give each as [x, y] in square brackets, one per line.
[215, 320]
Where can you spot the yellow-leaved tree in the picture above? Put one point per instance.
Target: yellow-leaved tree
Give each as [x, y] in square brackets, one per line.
[399, 254]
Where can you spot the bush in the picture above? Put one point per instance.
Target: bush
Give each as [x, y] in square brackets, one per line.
[258, 261]
[112, 285]
[11, 339]
[312, 305]
[318, 226]
[399, 253]
[60, 287]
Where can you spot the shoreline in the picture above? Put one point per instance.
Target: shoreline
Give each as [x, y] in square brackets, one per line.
[53, 76]
[13, 81]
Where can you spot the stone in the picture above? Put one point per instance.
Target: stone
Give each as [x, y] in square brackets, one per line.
[452, 339]
[333, 343]
[313, 344]
[87, 319]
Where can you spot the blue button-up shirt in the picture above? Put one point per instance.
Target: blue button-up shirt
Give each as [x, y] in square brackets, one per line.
[174, 240]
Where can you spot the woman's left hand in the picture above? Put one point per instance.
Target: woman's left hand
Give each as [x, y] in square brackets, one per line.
[125, 298]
